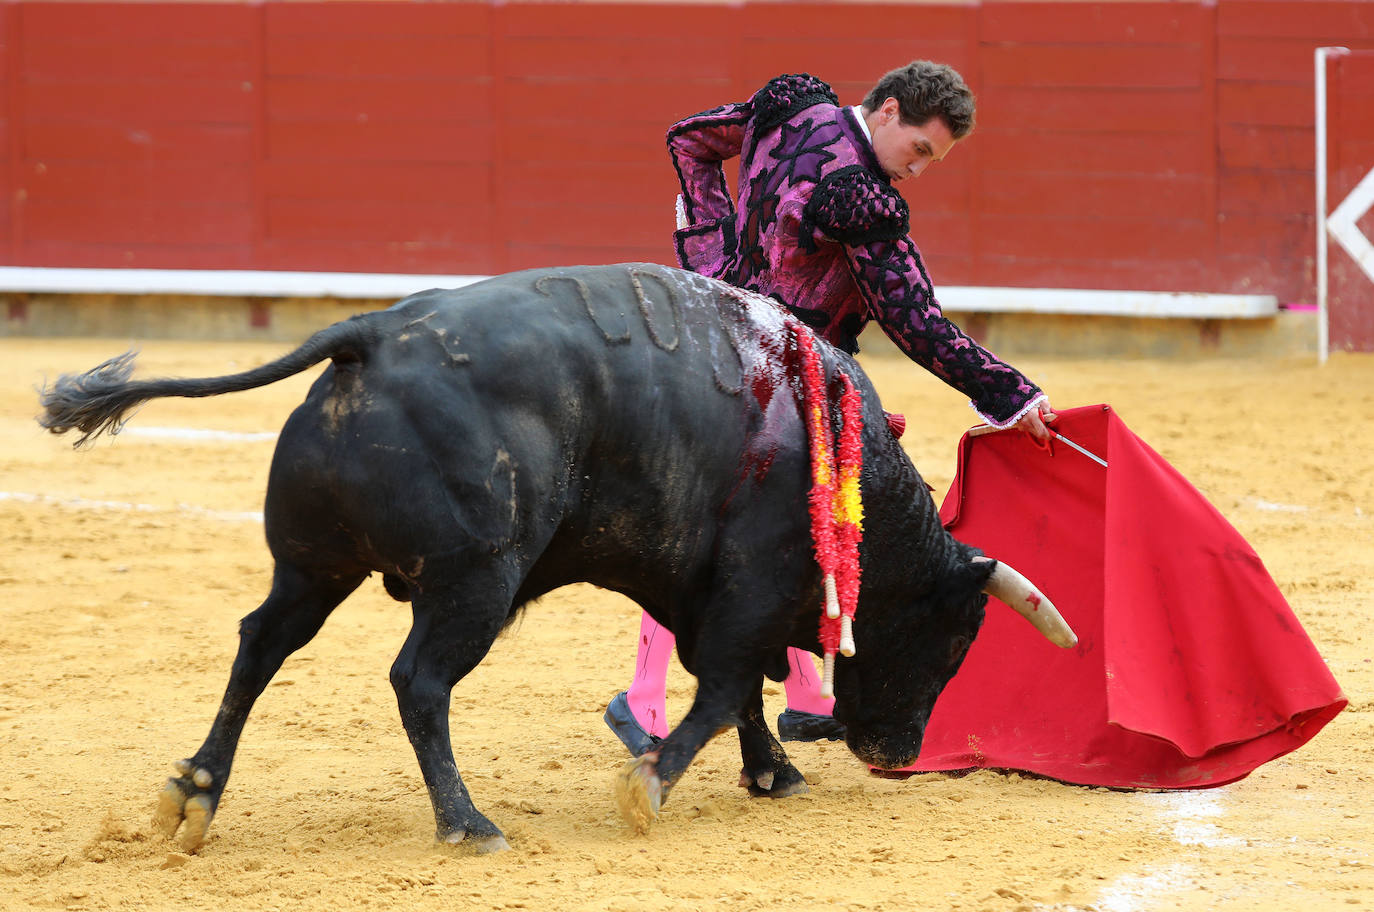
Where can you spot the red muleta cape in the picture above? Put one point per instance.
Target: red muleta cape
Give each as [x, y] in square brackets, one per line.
[1191, 668]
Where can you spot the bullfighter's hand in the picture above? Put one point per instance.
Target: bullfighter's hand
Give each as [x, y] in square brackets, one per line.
[1036, 422]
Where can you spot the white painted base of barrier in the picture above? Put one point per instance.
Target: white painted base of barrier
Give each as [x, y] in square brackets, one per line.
[273, 284]
[1199, 306]
[223, 282]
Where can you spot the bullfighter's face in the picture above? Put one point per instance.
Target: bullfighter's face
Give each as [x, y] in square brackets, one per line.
[905, 150]
[885, 694]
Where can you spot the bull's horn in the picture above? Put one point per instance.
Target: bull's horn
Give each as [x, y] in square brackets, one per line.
[1020, 594]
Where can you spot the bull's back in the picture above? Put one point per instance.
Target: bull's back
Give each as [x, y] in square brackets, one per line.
[606, 411]
[634, 352]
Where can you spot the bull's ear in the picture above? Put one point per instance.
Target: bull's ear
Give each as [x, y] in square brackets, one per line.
[981, 569]
[1021, 595]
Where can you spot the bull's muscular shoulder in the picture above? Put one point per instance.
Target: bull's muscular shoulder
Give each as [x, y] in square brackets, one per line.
[854, 206]
[784, 96]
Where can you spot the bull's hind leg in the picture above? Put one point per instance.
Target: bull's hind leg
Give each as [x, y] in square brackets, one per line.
[291, 615]
[453, 630]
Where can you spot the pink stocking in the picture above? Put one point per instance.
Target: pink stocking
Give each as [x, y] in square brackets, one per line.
[646, 694]
[803, 685]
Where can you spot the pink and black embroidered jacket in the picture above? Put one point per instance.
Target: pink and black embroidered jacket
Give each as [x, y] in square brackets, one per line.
[820, 228]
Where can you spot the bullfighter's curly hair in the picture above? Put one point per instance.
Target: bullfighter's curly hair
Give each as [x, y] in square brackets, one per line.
[924, 90]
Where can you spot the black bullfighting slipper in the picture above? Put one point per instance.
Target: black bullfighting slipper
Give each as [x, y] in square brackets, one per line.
[795, 725]
[626, 727]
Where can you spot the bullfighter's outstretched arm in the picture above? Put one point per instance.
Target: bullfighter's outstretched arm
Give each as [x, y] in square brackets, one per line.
[871, 220]
[899, 293]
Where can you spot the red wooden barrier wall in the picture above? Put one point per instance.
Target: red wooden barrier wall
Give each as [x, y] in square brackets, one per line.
[1265, 144]
[1149, 145]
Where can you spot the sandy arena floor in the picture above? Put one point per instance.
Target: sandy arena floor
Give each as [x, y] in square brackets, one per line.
[126, 569]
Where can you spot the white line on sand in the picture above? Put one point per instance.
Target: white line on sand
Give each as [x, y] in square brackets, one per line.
[1186, 815]
[1149, 890]
[205, 434]
[82, 503]
[1189, 812]
[1271, 507]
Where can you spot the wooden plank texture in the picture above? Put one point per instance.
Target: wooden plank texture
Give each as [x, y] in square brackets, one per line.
[635, 102]
[105, 221]
[437, 57]
[333, 97]
[368, 220]
[852, 67]
[1264, 192]
[1136, 66]
[401, 182]
[1120, 144]
[1098, 196]
[604, 224]
[1260, 146]
[114, 255]
[1092, 108]
[1307, 19]
[1087, 153]
[140, 102]
[212, 144]
[654, 58]
[378, 19]
[1160, 239]
[523, 255]
[375, 256]
[1267, 104]
[1092, 23]
[1282, 59]
[912, 22]
[576, 21]
[152, 181]
[1066, 270]
[416, 141]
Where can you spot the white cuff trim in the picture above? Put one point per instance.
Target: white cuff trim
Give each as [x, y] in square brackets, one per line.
[1039, 400]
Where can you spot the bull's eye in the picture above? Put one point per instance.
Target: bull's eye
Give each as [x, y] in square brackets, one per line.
[957, 647]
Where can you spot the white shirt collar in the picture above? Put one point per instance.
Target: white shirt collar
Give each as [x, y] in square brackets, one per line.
[863, 124]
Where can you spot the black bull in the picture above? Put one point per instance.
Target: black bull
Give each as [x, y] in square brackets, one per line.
[631, 426]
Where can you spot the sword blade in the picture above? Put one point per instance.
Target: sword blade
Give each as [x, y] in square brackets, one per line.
[989, 429]
[1094, 457]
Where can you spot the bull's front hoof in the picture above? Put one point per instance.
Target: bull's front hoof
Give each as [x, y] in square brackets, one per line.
[779, 783]
[182, 806]
[477, 844]
[639, 792]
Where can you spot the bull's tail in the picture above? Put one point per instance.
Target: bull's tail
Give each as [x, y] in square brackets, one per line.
[96, 401]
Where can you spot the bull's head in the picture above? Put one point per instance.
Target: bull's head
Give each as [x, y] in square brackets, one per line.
[885, 695]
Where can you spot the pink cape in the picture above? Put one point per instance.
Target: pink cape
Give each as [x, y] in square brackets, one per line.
[1191, 669]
